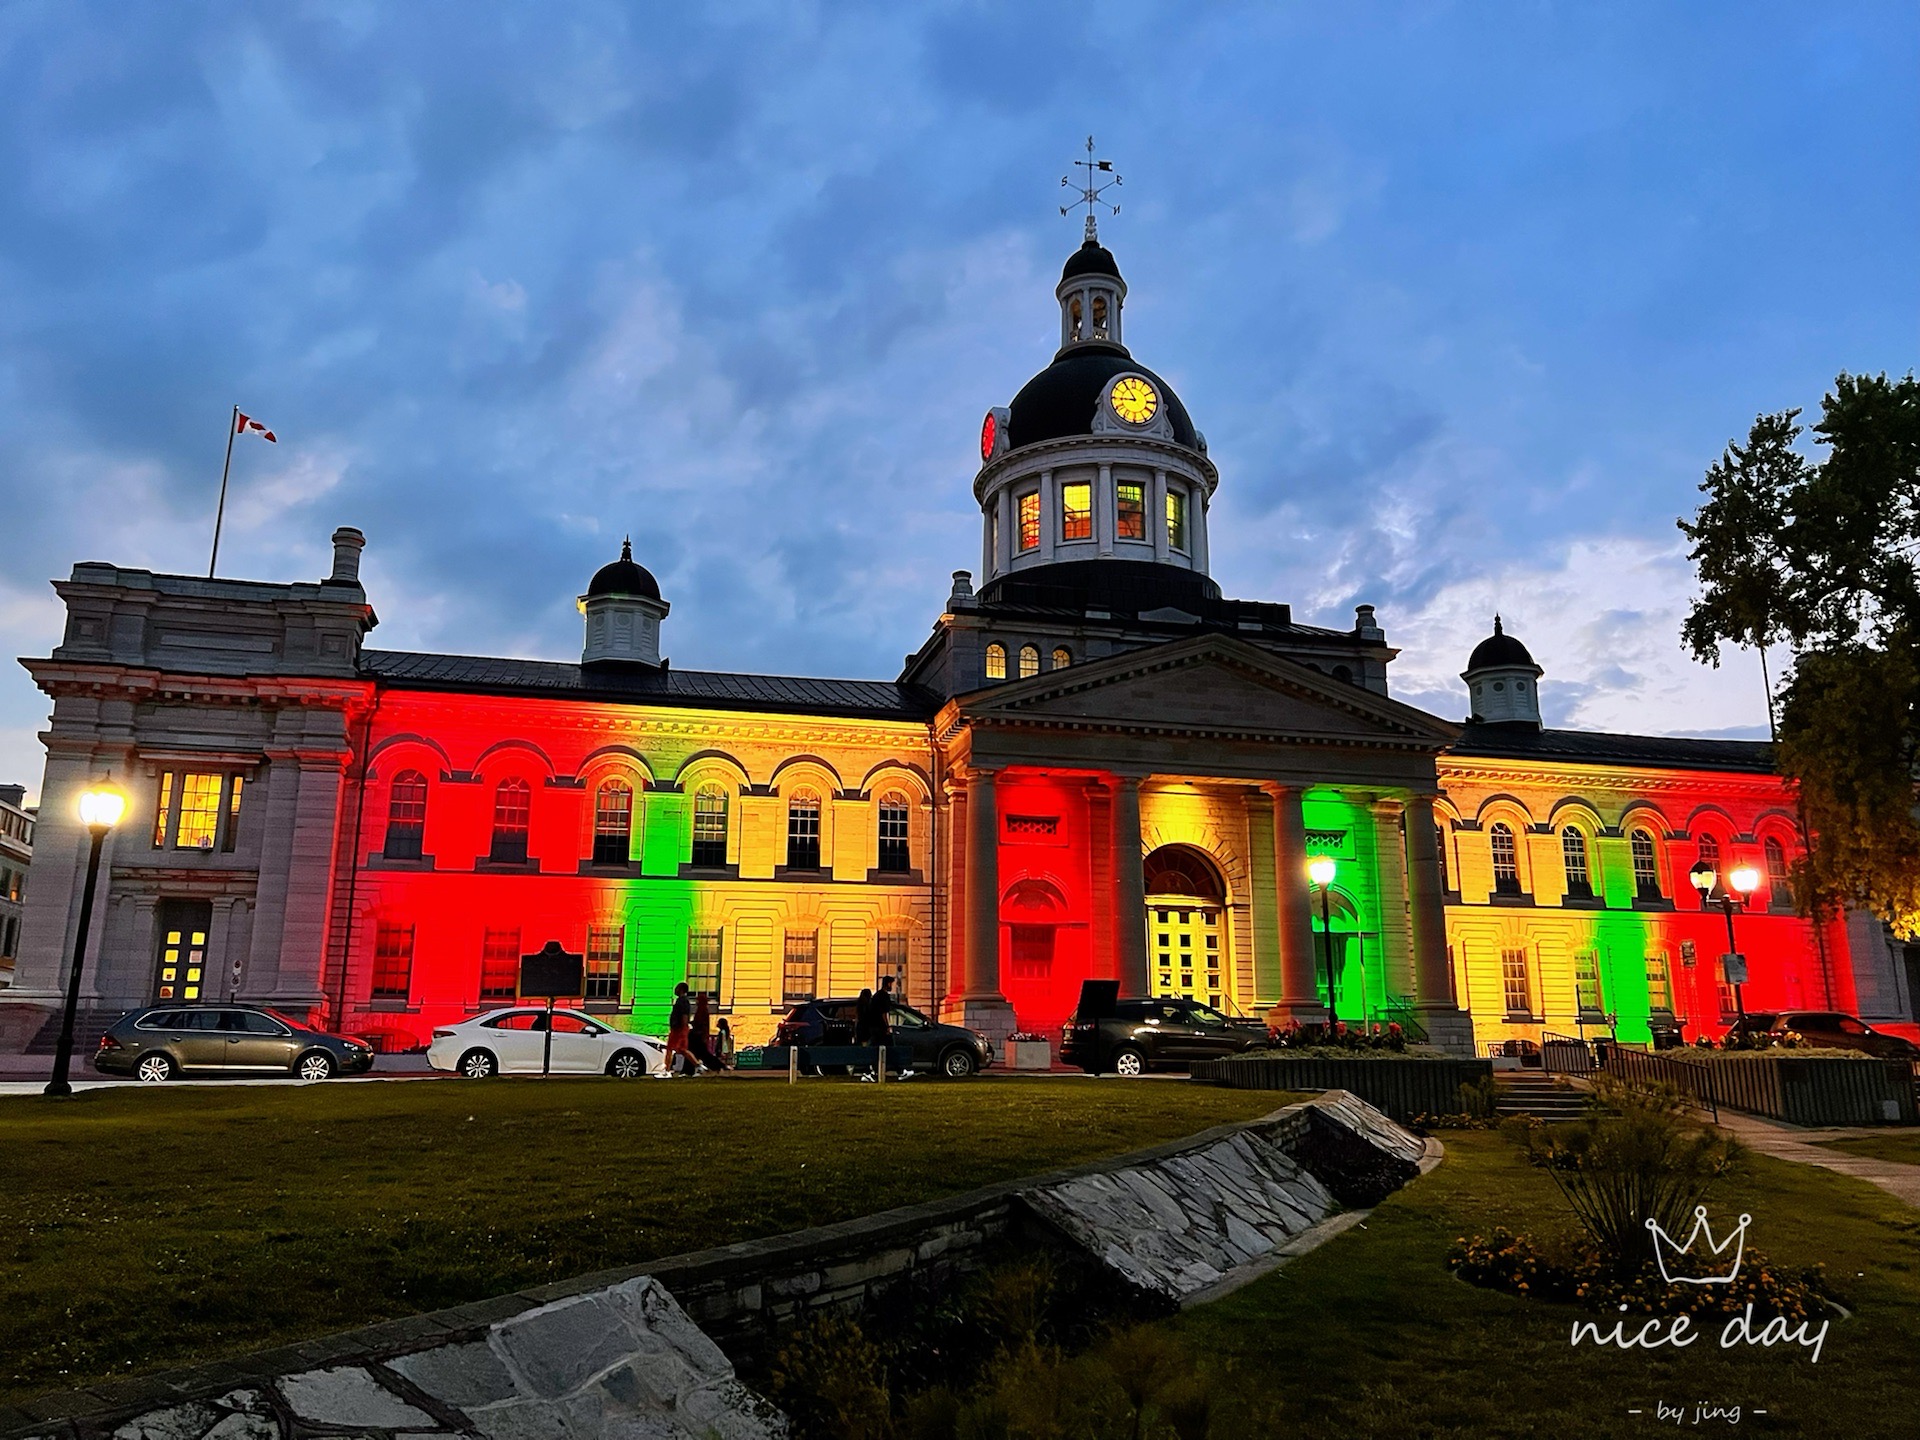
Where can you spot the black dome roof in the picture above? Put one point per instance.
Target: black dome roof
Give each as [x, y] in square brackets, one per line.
[1061, 400]
[1092, 258]
[1499, 648]
[623, 577]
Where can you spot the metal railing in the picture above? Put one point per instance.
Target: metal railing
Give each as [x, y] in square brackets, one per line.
[1692, 1078]
[1567, 1055]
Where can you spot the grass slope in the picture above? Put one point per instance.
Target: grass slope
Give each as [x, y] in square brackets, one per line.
[1371, 1336]
[147, 1229]
[1900, 1146]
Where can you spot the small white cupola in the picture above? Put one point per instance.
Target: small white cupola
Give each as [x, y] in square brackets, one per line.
[624, 610]
[1503, 683]
[1091, 295]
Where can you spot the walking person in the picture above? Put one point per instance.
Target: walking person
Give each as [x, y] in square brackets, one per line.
[880, 1018]
[678, 1023]
[700, 1033]
[863, 1026]
[723, 1044]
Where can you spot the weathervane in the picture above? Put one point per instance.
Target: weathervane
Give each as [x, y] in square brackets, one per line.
[1091, 192]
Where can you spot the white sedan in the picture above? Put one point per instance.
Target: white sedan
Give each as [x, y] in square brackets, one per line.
[513, 1041]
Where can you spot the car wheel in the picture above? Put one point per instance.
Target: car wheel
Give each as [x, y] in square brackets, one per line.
[478, 1065]
[958, 1064]
[153, 1069]
[314, 1065]
[1129, 1062]
[627, 1065]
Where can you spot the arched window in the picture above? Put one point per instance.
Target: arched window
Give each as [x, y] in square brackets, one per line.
[996, 662]
[894, 854]
[1099, 316]
[1062, 658]
[1573, 851]
[1646, 867]
[1779, 877]
[512, 814]
[1029, 661]
[613, 824]
[803, 831]
[1073, 319]
[406, 816]
[710, 826]
[1506, 861]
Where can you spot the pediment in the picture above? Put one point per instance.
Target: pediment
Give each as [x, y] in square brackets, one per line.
[1209, 685]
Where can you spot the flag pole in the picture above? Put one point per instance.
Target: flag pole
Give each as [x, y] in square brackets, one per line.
[233, 422]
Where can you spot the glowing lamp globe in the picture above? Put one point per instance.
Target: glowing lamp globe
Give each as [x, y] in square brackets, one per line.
[102, 805]
[1745, 879]
[1704, 877]
[1320, 870]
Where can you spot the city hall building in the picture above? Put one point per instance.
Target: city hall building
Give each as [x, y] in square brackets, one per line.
[1096, 765]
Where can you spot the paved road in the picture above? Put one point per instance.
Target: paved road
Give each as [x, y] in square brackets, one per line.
[1792, 1142]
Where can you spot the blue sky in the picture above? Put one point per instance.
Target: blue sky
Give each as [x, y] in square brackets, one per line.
[1466, 297]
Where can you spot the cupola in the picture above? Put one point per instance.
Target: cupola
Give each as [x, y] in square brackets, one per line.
[1502, 681]
[1091, 294]
[624, 610]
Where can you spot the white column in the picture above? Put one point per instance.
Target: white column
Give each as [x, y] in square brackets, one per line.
[1197, 527]
[1157, 514]
[1049, 515]
[1103, 522]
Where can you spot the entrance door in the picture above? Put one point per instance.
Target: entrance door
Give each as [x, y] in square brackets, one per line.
[1185, 935]
[181, 964]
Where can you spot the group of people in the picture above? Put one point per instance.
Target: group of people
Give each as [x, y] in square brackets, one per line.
[694, 1041]
[873, 1021]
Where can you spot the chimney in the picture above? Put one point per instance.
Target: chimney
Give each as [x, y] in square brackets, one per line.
[347, 545]
[961, 596]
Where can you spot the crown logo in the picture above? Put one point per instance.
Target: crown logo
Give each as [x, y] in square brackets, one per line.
[1664, 1246]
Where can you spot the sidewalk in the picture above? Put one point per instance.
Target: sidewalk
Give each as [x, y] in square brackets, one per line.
[1792, 1142]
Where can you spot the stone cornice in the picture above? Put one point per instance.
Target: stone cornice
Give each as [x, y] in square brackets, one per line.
[143, 683]
[1098, 450]
[1561, 777]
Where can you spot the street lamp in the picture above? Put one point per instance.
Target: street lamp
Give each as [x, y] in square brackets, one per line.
[1320, 870]
[1744, 880]
[101, 807]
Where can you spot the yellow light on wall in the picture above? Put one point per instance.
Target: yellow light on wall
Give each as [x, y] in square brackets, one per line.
[102, 805]
[1320, 870]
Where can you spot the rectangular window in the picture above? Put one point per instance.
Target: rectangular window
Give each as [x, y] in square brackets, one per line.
[710, 827]
[163, 809]
[1573, 852]
[803, 832]
[1646, 867]
[230, 832]
[1076, 511]
[1659, 985]
[1030, 520]
[895, 855]
[890, 958]
[199, 812]
[392, 961]
[1586, 983]
[613, 824]
[606, 954]
[1177, 519]
[1129, 511]
[802, 967]
[1518, 987]
[500, 965]
[1729, 1005]
[703, 963]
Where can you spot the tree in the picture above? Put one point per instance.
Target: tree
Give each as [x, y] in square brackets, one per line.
[1821, 554]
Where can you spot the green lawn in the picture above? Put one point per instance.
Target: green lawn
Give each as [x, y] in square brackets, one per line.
[1900, 1146]
[1371, 1336]
[147, 1228]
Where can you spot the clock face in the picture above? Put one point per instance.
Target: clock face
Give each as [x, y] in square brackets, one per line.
[1133, 399]
[987, 433]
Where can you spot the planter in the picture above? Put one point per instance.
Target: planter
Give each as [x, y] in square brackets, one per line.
[1029, 1055]
[1801, 1090]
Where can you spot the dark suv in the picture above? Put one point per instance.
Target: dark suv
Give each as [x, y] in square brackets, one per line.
[915, 1042]
[1131, 1037]
[230, 1041]
[1828, 1029]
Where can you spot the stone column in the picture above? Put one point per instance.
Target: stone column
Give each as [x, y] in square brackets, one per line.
[1129, 890]
[1293, 907]
[955, 834]
[1447, 1024]
[1157, 515]
[1263, 941]
[1049, 515]
[977, 1002]
[1396, 944]
[1103, 509]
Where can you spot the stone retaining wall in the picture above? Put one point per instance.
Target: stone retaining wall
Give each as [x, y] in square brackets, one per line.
[1403, 1088]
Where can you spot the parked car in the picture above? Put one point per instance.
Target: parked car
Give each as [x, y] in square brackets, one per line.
[1829, 1029]
[166, 1041]
[513, 1041]
[950, 1050]
[1168, 1032]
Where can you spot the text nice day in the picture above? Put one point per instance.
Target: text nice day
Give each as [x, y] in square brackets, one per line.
[1738, 1329]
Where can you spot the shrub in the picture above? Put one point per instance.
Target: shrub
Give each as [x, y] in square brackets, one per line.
[831, 1381]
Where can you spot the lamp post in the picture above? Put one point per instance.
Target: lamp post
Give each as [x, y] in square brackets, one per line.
[101, 807]
[1320, 870]
[1745, 880]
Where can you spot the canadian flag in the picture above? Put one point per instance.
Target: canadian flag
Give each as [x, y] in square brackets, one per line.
[244, 423]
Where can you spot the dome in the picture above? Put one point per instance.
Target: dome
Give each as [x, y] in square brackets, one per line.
[1061, 400]
[623, 577]
[1499, 648]
[1092, 258]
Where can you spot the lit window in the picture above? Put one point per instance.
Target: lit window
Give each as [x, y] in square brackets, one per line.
[1030, 520]
[512, 814]
[1779, 877]
[1073, 318]
[1506, 861]
[996, 662]
[1177, 519]
[1099, 316]
[894, 856]
[196, 811]
[183, 951]
[801, 968]
[406, 816]
[1076, 511]
[199, 812]
[710, 826]
[163, 809]
[1062, 658]
[890, 958]
[1130, 511]
[803, 831]
[500, 965]
[1516, 982]
[1586, 982]
[1646, 866]
[1029, 661]
[1659, 985]
[392, 961]
[1573, 851]
[606, 954]
[613, 824]
[703, 963]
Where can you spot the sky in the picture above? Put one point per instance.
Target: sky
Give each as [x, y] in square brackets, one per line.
[1466, 298]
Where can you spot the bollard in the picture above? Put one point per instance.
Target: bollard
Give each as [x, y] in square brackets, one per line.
[880, 1063]
[793, 1065]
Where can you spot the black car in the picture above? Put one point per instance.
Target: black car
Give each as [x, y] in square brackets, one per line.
[1828, 1029]
[1168, 1032]
[229, 1041]
[915, 1042]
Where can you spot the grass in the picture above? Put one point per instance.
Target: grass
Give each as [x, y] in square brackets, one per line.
[1371, 1336]
[1900, 1146]
[147, 1228]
